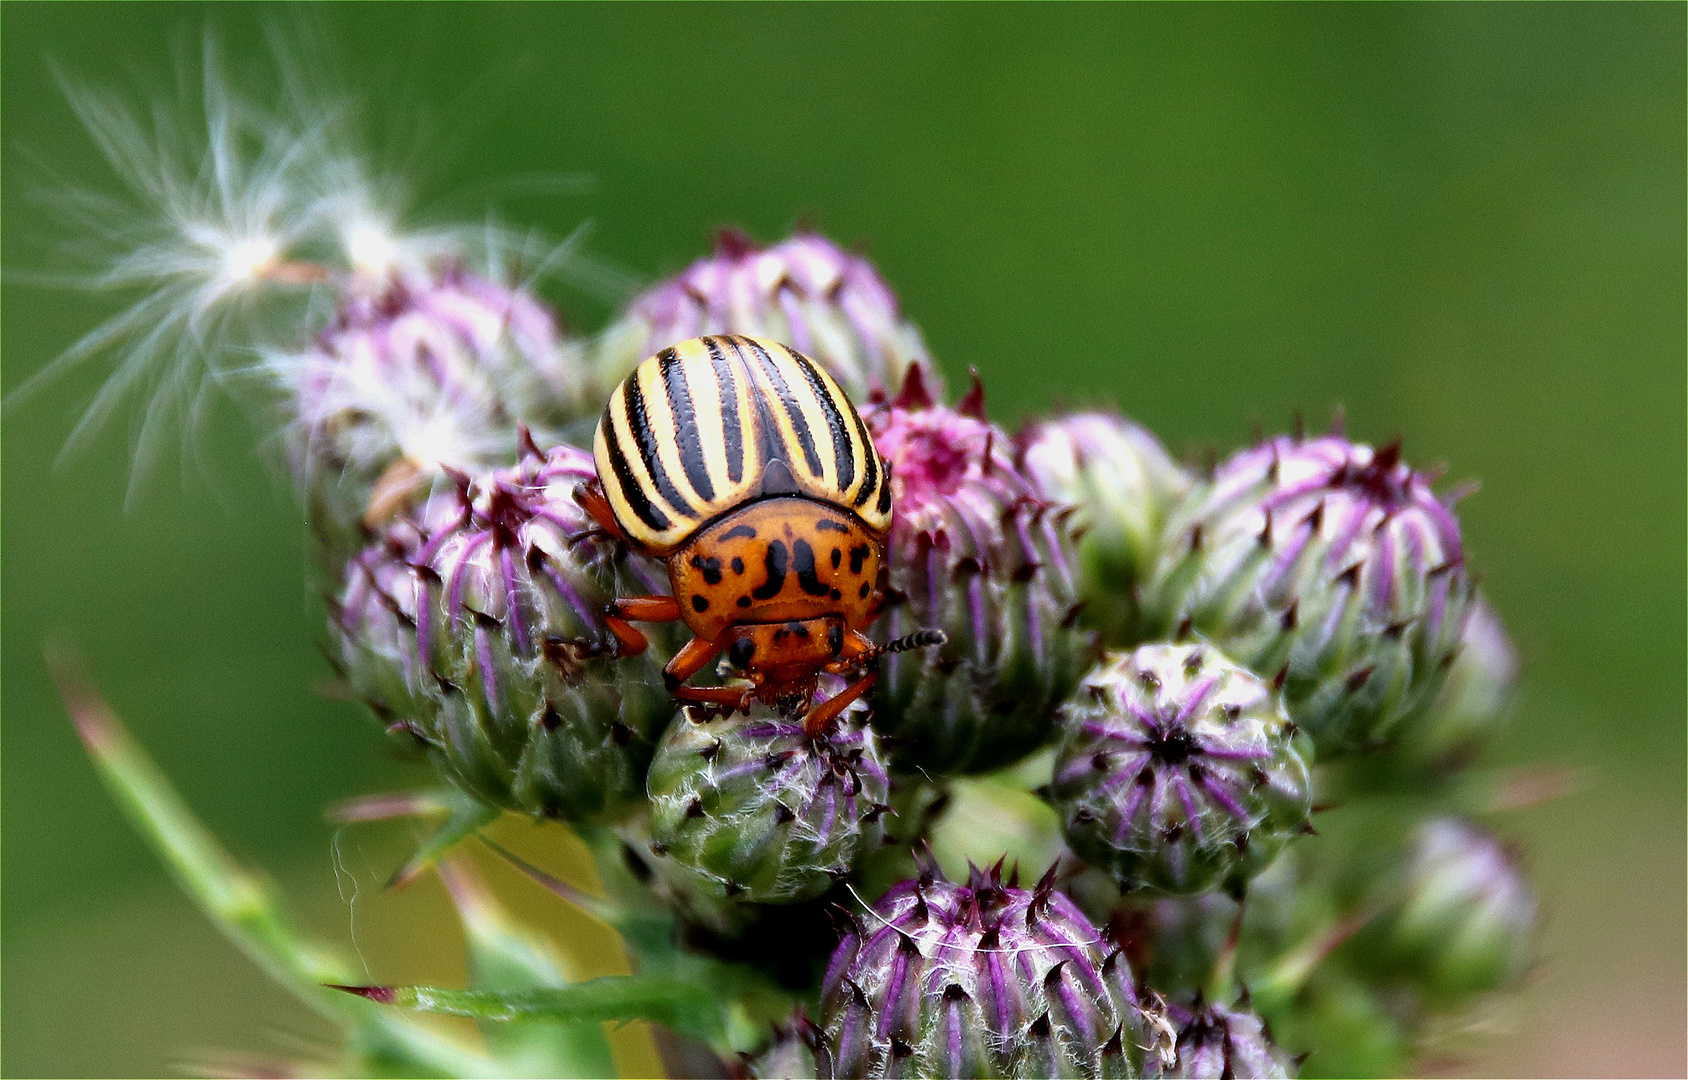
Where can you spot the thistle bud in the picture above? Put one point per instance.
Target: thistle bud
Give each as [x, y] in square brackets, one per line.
[798, 1051]
[1327, 567]
[1474, 701]
[761, 811]
[474, 627]
[977, 552]
[419, 371]
[1465, 916]
[1207, 1040]
[1124, 484]
[1178, 770]
[806, 292]
[984, 979]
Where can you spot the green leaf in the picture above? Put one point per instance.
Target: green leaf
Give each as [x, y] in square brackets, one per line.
[241, 904]
[686, 1007]
[466, 817]
[506, 957]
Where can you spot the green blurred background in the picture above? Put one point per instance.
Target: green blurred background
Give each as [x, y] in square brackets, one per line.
[1465, 223]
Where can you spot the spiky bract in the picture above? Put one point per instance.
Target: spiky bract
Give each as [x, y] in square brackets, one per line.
[979, 980]
[474, 627]
[1216, 1042]
[1328, 567]
[1178, 770]
[977, 552]
[761, 811]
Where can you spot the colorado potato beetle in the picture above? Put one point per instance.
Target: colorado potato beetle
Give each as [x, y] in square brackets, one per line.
[742, 464]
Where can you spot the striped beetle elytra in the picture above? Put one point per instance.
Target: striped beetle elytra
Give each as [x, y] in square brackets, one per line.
[741, 464]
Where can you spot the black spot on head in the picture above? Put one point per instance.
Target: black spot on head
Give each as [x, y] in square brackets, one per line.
[858, 555]
[744, 601]
[710, 568]
[836, 595]
[738, 565]
[835, 638]
[863, 592]
[739, 530]
[828, 525]
[798, 629]
[699, 604]
[837, 557]
[741, 652]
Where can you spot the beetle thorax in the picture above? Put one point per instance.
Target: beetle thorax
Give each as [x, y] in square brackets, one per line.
[779, 560]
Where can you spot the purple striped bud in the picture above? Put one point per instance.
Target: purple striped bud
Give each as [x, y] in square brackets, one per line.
[1179, 771]
[1327, 567]
[425, 372]
[982, 979]
[977, 552]
[1124, 484]
[474, 627]
[806, 291]
[1203, 1041]
[760, 811]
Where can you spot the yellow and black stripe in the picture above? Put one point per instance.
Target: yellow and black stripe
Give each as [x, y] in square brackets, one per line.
[715, 422]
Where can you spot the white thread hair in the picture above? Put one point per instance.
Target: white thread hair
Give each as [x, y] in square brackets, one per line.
[233, 224]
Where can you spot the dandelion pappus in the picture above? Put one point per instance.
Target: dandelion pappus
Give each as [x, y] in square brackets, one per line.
[742, 464]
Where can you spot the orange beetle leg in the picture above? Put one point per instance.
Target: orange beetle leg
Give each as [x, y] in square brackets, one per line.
[590, 495]
[639, 609]
[729, 696]
[688, 661]
[823, 714]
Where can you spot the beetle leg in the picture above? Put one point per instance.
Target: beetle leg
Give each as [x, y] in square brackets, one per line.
[590, 495]
[693, 655]
[639, 609]
[730, 696]
[823, 714]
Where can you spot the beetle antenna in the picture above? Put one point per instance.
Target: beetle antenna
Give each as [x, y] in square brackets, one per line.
[920, 639]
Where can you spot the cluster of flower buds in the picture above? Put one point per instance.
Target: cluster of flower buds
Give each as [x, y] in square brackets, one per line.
[1308, 592]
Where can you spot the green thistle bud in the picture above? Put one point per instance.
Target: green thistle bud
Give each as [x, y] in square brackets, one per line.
[981, 980]
[1327, 567]
[474, 628]
[761, 811]
[806, 291]
[798, 1050]
[1465, 917]
[977, 552]
[1178, 770]
[1475, 700]
[1206, 1040]
[1124, 484]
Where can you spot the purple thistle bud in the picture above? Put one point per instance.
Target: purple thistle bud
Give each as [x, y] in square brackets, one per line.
[760, 811]
[1464, 921]
[982, 979]
[977, 552]
[426, 371]
[474, 626]
[805, 291]
[1124, 484]
[1327, 567]
[1204, 1041]
[1178, 770]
